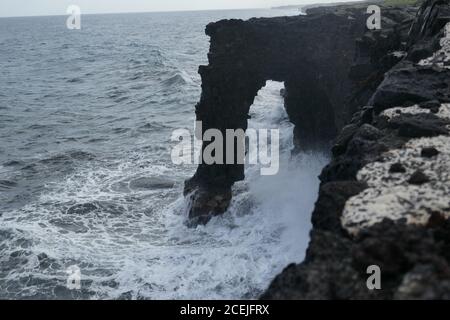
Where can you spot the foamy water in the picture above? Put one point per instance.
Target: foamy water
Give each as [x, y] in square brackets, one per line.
[134, 243]
[94, 187]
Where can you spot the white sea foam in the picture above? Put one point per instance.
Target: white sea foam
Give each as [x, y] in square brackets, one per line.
[135, 242]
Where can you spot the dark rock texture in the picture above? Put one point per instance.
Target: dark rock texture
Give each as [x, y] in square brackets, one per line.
[332, 198]
[413, 257]
[397, 168]
[418, 178]
[330, 64]
[429, 152]
[408, 82]
[419, 125]
[335, 267]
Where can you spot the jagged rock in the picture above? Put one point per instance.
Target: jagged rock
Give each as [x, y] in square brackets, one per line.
[397, 168]
[411, 244]
[430, 20]
[418, 178]
[315, 278]
[432, 105]
[207, 203]
[424, 282]
[420, 125]
[331, 202]
[344, 137]
[335, 267]
[429, 152]
[412, 83]
[368, 132]
[327, 75]
[414, 79]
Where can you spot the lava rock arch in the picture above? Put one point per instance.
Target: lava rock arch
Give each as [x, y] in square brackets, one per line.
[330, 64]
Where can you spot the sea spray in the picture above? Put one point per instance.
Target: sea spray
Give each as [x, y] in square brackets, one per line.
[133, 242]
[88, 187]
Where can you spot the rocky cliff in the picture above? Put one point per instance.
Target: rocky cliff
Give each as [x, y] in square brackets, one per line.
[383, 98]
[330, 65]
[385, 197]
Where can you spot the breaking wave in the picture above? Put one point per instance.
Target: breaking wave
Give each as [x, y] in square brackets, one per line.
[86, 177]
[124, 227]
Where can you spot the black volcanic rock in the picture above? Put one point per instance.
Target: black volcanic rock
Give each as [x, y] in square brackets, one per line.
[418, 178]
[329, 62]
[397, 168]
[420, 125]
[429, 152]
[341, 142]
[414, 258]
[335, 267]
[340, 77]
[332, 198]
[432, 105]
[409, 80]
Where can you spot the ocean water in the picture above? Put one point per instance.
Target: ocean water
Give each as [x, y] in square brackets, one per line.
[86, 178]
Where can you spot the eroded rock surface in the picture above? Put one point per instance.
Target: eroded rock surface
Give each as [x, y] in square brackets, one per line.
[330, 65]
[385, 196]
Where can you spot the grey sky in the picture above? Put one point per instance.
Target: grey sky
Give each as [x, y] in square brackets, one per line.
[58, 7]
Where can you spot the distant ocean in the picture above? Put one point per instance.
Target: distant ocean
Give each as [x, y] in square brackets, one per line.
[86, 179]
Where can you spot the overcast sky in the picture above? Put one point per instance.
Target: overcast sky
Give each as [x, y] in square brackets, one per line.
[11, 8]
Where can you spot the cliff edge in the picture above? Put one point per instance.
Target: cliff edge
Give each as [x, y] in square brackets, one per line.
[330, 65]
[384, 199]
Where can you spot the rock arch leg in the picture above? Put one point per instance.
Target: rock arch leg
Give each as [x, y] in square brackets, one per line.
[224, 104]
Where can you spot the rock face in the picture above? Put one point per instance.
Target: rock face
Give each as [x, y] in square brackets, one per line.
[385, 197]
[329, 62]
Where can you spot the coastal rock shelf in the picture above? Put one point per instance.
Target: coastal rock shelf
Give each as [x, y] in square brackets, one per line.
[384, 199]
[411, 183]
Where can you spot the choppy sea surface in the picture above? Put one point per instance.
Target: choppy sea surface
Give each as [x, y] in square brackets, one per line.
[86, 178]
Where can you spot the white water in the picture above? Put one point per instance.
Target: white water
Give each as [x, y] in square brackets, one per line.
[137, 242]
